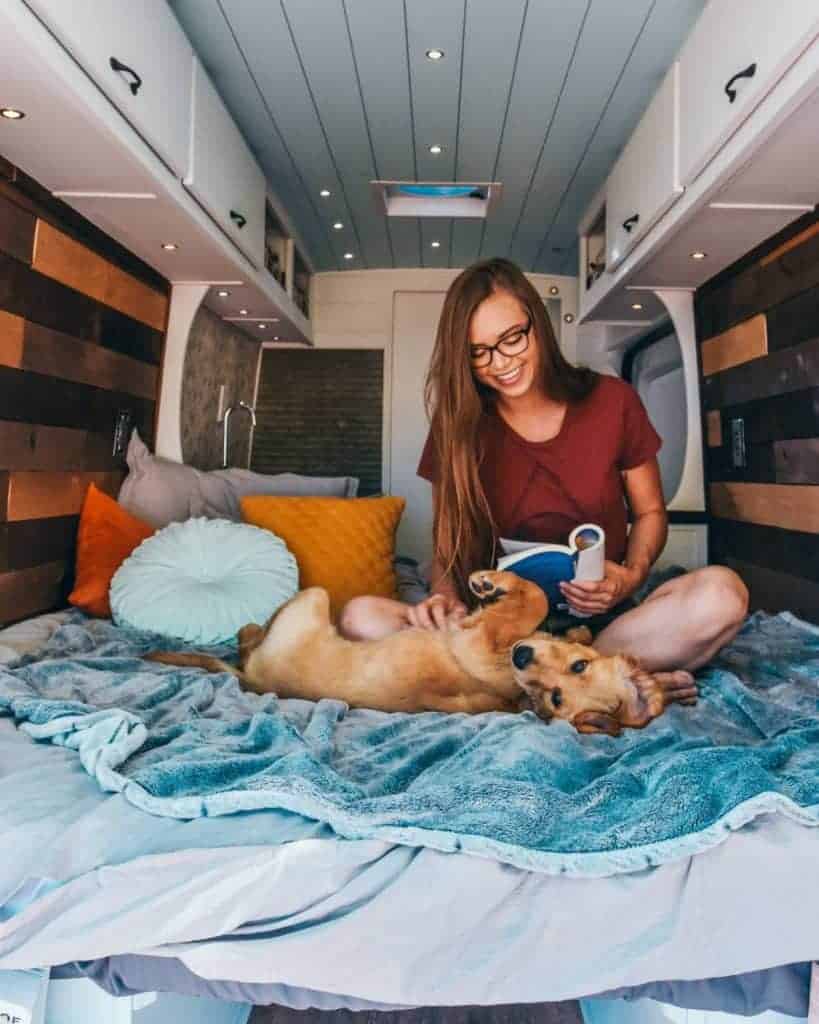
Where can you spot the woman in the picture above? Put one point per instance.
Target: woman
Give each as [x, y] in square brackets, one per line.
[522, 444]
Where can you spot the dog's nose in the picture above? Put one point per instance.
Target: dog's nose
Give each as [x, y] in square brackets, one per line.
[487, 585]
[523, 655]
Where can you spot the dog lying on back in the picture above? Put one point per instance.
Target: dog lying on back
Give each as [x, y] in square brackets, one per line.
[478, 665]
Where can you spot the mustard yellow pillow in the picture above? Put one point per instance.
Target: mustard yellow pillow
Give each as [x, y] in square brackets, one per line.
[345, 545]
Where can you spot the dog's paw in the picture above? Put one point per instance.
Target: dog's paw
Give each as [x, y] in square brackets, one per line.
[677, 687]
[488, 585]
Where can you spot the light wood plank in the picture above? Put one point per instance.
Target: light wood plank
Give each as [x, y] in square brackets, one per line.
[788, 506]
[746, 341]
[41, 495]
[65, 260]
[713, 428]
[32, 446]
[30, 591]
[11, 338]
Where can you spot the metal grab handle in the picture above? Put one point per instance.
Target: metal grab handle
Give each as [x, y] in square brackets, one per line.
[629, 222]
[120, 68]
[238, 219]
[730, 91]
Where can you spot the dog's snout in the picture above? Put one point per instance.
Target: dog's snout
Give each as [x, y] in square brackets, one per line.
[523, 655]
[487, 585]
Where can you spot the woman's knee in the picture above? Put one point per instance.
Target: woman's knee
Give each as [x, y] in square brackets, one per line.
[369, 618]
[720, 598]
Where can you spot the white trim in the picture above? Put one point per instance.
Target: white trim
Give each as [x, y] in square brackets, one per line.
[185, 302]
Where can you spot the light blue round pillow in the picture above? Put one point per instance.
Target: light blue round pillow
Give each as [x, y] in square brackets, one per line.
[202, 580]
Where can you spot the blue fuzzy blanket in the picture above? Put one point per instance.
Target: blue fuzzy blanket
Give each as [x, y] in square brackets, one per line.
[180, 743]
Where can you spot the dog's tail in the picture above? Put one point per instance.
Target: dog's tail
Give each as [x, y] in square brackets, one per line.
[204, 661]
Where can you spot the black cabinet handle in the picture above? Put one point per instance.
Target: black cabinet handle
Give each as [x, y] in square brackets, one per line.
[630, 222]
[120, 68]
[730, 91]
[238, 219]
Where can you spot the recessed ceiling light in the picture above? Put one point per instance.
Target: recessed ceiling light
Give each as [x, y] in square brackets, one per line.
[348, 255]
[223, 293]
[11, 114]
[262, 327]
[435, 245]
[324, 193]
[636, 305]
[698, 255]
[170, 246]
[436, 149]
[275, 337]
[569, 318]
[338, 225]
[435, 54]
[554, 290]
[242, 312]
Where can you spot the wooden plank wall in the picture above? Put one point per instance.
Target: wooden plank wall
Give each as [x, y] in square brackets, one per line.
[82, 325]
[758, 328]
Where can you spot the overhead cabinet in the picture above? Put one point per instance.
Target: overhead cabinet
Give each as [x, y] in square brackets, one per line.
[222, 174]
[137, 54]
[734, 56]
[645, 180]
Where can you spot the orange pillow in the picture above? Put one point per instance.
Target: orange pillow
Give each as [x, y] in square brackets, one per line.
[107, 535]
[345, 545]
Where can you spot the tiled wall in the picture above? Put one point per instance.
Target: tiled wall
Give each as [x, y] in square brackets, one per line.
[81, 330]
[758, 327]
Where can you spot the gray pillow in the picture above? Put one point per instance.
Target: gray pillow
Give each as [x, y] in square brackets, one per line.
[160, 492]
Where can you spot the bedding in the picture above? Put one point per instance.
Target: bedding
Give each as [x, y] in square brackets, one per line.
[178, 743]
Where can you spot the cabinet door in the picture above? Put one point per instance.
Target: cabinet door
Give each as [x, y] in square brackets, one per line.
[222, 174]
[734, 56]
[136, 52]
[645, 180]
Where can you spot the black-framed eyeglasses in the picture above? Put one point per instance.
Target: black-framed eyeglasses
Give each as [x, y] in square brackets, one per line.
[514, 344]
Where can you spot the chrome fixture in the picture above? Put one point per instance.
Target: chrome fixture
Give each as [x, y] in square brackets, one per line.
[242, 405]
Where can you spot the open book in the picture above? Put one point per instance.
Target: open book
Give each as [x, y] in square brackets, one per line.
[549, 564]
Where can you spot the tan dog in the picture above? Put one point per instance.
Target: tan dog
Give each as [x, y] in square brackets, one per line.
[466, 667]
[594, 692]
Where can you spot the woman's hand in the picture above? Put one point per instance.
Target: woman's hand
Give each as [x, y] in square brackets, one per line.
[436, 612]
[594, 597]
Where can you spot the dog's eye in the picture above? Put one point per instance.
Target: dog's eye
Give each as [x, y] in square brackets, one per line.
[578, 666]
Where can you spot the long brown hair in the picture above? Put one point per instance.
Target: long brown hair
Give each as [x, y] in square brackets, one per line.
[464, 534]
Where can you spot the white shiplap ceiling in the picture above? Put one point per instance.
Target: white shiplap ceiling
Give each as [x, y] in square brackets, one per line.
[540, 95]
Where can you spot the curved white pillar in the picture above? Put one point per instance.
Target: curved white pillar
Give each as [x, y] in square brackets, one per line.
[690, 494]
[185, 302]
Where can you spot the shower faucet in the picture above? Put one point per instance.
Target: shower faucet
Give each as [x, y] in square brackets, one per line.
[225, 422]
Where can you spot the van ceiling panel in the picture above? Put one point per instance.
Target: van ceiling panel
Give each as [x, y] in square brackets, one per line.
[540, 96]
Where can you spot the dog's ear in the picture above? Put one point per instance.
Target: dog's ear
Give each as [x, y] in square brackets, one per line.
[596, 721]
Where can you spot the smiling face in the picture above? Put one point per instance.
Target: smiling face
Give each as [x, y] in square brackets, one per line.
[503, 318]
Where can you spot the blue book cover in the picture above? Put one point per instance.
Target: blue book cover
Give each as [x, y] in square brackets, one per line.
[550, 564]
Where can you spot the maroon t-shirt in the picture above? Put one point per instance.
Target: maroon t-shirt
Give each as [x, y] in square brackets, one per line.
[541, 490]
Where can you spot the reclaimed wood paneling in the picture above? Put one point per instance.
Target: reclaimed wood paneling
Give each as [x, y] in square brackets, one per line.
[760, 466]
[792, 243]
[787, 506]
[772, 591]
[794, 321]
[41, 299]
[33, 446]
[789, 551]
[31, 542]
[778, 418]
[35, 495]
[792, 369]
[30, 591]
[746, 341]
[797, 462]
[713, 428]
[59, 256]
[16, 230]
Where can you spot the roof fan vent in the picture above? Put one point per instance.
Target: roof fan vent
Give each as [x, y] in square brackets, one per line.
[435, 198]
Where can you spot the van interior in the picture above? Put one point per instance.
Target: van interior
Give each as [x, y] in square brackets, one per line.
[227, 230]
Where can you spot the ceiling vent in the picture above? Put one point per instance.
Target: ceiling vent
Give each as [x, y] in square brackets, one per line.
[435, 198]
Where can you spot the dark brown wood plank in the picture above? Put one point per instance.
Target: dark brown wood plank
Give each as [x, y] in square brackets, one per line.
[788, 551]
[794, 321]
[49, 401]
[16, 230]
[42, 300]
[760, 465]
[32, 542]
[33, 446]
[6, 169]
[779, 418]
[792, 369]
[35, 495]
[797, 462]
[31, 591]
[774, 591]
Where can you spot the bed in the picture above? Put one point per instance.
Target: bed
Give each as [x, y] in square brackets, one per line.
[119, 875]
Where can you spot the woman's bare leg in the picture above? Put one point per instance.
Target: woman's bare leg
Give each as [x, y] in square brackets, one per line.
[370, 618]
[683, 623]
